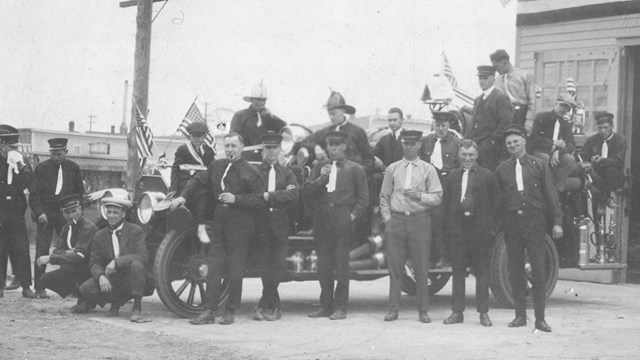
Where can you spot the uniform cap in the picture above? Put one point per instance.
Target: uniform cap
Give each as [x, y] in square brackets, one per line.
[271, 139]
[58, 143]
[337, 101]
[515, 129]
[604, 117]
[69, 202]
[411, 136]
[8, 134]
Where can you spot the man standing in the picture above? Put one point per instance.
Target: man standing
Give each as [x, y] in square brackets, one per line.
[52, 180]
[518, 85]
[552, 140]
[440, 149]
[71, 251]
[15, 175]
[528, 196]
[357, 144]
[604, 155]
[491, 114]
[470, 200]
[280, 192]
[409, 190]
[237, 192]
[389, 149]
[256, 120]
[118, 262]
[338, 189]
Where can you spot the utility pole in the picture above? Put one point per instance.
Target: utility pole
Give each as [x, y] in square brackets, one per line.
[140, 83]
[206, 112]
[91, 117]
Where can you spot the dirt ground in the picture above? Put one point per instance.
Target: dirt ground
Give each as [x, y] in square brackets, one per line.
[45, 329]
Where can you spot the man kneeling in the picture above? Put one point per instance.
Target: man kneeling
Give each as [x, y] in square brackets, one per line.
[118, 259]
[71, 251]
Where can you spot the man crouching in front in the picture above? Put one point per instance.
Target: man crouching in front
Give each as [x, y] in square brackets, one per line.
[117, 262]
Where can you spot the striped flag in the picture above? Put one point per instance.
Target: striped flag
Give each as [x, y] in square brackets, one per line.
[447, 71]
[144, 136]
[194, 115]
[504, 2]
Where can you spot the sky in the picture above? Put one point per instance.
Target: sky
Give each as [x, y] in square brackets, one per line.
[64, 60]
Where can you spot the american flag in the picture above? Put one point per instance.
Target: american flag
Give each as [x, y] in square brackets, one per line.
[504, 2]
[447, 71]
[144, 136]
[194, 115]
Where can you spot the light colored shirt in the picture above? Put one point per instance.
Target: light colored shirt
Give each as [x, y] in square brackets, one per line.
[520, 89]
[486, 93]
[424, 179]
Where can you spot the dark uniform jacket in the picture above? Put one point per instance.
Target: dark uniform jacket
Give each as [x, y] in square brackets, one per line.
[351, 187]
[490, 117]
[42, 198]
[481, 200]
[244, 122]
[450, 144]
[280, 198]
[389, 149]
[358, 148]
[242, 180]
[132, 247]
[539, 192]
[541, 138]
[15, 190]
[81, 237]
[617, 150]
[183, 156]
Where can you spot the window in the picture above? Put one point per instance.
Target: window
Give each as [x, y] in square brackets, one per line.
[99, 148]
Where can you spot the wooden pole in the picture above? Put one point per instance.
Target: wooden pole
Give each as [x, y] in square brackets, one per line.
[140, 85]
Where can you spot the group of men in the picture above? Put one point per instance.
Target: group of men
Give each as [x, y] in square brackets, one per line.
[97, 266]
[509, 166]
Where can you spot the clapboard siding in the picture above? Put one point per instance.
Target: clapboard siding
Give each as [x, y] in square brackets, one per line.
[576, 36]
[587, 25]
[564, 45]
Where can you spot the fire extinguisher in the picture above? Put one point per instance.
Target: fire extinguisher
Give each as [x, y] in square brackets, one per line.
[583, 231]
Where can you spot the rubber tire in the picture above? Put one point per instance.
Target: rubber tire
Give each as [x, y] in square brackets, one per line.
[499, 276]
[166, 292]
[437, 282]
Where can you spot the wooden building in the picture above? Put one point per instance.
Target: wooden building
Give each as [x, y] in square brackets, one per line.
[597, 44]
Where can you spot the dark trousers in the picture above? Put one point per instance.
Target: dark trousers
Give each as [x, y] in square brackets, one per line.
[332, 232]
[473, 247]
[487, 154]
[231, 233]
[274, 225]
[14, 244]
[520, 114]
[65, 280]
[408, 237]
[128, 282]
[526, 232]
[437, 226]
[44, 236]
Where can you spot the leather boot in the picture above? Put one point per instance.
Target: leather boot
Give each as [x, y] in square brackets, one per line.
[206, 317]
[228, 318]
[484, 320]
[456, 317]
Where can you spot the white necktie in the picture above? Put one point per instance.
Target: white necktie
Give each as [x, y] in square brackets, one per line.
[224, 175]
[333, 175]
[116, 244]
[604, 152]
[436, 156]
[408, 175]
[69, 238]
[519, 181]
[271, 187]
[59, 182]
[556, 130]
[465, 179]
[259, 120]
